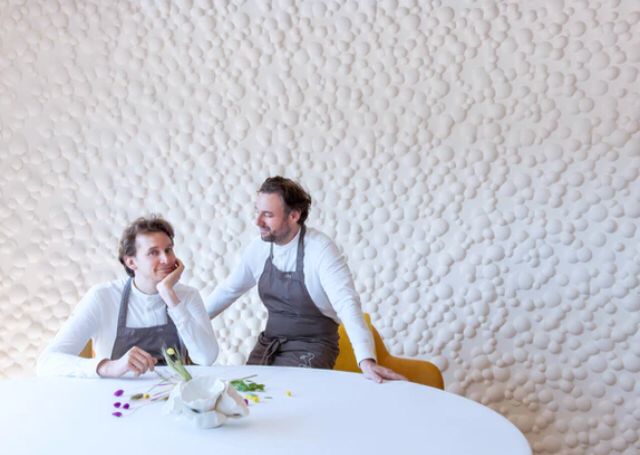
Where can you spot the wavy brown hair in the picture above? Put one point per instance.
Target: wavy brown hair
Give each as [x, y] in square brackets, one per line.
[292, 194]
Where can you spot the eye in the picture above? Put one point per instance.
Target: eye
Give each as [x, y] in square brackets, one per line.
[153, 253]
[168, 251]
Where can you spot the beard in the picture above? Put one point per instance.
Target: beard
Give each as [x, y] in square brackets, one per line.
[274, 236]
[267, 237]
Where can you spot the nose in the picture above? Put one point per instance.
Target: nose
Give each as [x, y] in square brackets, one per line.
[259, 220]
[164, 258]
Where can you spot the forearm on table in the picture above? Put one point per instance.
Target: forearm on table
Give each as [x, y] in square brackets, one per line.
[61, 364]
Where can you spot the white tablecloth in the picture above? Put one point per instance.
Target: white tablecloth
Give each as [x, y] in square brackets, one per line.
[329, 413]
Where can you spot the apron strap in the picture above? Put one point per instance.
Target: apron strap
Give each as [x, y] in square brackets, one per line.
[124, 307]
[300, 256]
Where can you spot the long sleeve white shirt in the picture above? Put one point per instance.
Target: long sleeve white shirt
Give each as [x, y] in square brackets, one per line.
[326, 276]
[96, 318]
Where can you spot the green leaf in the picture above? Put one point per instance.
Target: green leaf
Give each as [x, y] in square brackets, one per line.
[243, 385]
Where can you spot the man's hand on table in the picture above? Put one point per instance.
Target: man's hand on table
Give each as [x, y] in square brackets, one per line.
[378, 373]
[135, 360]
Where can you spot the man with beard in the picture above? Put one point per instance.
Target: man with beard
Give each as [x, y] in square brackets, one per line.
[304, 282]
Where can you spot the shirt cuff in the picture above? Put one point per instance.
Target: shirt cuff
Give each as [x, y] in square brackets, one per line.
[364, 351]
[60, 364]
[91, 367]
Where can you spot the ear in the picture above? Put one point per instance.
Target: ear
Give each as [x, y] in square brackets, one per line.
[130, 262]
[294, 215]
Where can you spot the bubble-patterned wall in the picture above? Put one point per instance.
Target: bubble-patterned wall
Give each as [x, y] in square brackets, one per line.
[477, 161]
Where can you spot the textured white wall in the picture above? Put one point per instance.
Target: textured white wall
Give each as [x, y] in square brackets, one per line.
[478, 162]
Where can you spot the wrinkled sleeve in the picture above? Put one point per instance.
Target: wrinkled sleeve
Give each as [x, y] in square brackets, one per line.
[194, 328]
[240, 281]
[337, 283]
[61, 356]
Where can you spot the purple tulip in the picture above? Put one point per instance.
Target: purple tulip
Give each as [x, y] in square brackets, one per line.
[118, 392]
[117, 404]
[125, 406]
[116, 414]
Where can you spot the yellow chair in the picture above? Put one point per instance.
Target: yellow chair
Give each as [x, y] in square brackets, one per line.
[87, 352]
[419, 371]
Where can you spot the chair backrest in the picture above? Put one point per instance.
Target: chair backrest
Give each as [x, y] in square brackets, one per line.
[419, 371]
[87, 352]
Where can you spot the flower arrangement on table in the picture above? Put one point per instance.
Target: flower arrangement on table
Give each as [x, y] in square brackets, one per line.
[205, 401]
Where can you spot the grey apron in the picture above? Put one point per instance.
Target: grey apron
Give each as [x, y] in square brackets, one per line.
[297, 333]
[150, 339]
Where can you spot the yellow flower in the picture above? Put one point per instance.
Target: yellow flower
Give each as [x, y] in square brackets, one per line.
[171, 351]
[252, 397]
[288, 393]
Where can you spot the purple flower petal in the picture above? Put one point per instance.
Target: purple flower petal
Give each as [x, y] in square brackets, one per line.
[117, 404]
[118, 392]
[125, 406]
[116, 414]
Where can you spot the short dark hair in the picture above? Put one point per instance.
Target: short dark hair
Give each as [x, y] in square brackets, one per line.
[292, 194]
[143, 225]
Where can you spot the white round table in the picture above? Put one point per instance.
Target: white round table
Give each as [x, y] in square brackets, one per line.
[329, 412]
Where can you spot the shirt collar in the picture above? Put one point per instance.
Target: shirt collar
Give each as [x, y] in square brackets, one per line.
[149, 298]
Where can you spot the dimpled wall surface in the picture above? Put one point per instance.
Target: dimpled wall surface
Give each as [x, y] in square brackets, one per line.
[477, 161]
